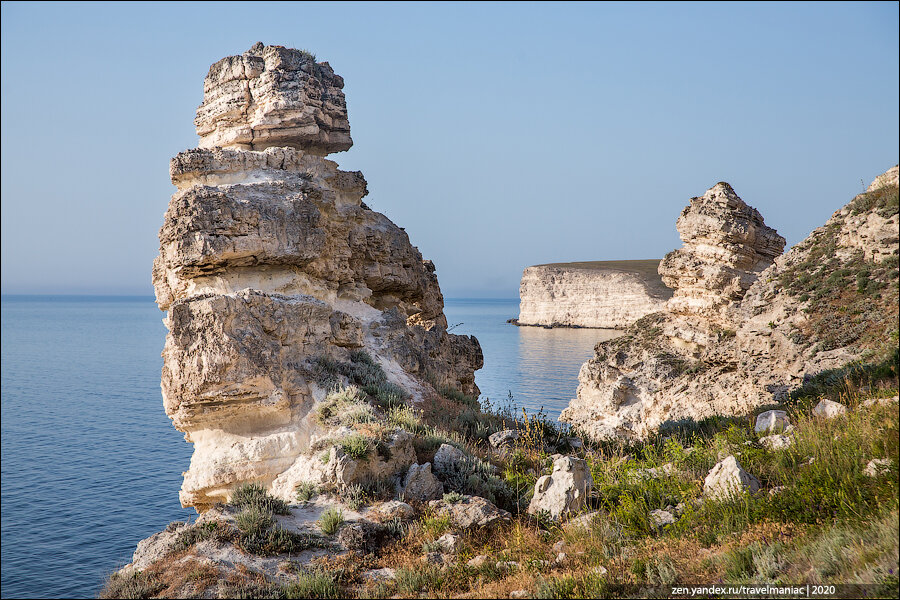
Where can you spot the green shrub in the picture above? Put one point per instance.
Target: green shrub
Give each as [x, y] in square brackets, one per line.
[331, 520]
[306, 491]
[250, 495]
[344, 406]
[313, 584]
[436, 525]
[453, 498]
[260, 535]
[135, 585]
[211, 530]
[406, 417]
[413, 580]
[353, 495]
[588, 585]
[356, 446]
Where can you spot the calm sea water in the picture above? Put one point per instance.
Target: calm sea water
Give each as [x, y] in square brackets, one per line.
[90, 462]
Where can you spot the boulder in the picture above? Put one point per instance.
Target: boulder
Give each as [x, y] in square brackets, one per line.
[565, 490]
[449, 542]
[504, 439]
[661, 518]
[270, 261]
[395, 509]
[828, 409]
[470, 511]
[772, 421]
[727, 478]
[447, 459]
[421, 485]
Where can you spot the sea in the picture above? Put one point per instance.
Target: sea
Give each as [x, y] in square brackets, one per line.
[90, 462]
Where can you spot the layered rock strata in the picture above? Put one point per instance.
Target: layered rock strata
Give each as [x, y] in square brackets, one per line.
[726, 245]
[743, 334]
[602, 294]
[270, 263]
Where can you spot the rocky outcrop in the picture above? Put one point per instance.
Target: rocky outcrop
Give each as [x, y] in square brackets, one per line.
[726, 246]
[273, 96]
[734, 337]
[271, 263]
[602, 294]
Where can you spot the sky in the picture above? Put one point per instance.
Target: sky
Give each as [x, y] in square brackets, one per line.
[499, 135]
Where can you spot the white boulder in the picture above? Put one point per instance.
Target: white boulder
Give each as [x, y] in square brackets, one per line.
[421, 485]
[772, 421]
[828, 409]
[565, 490]
[727, 478]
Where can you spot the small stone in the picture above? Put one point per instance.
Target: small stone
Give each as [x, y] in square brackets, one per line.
[395, 509]
[828, 409]
[504, 439]
[879, 402]
[519, 594]
[507, 565]
[661, 518]
[450, 542]
[877, 466]
[385, 574]
[479, 561]
[584, 521]
[728, 477]
[559, 546]
[772, 421]
[421, 485]
[776, 442]
[561, 558]
[776, 490]
[565, 490]
[471, 511]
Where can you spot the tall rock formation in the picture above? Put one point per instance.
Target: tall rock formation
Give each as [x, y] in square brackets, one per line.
[726, 246]
[270, 263]
[741, 330]
[603, 294]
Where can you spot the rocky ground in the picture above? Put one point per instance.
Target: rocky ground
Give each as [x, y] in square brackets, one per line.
[803, 494]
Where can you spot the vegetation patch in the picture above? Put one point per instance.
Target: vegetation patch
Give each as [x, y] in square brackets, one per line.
[254, 495]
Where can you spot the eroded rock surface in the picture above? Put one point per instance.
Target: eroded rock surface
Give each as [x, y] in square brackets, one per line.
[270, 263]
[726, 245]
[273, 96]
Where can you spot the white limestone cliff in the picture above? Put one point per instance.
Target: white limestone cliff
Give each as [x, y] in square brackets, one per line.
[602, 294]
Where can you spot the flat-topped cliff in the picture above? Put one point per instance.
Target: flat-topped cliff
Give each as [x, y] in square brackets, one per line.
[602, 294]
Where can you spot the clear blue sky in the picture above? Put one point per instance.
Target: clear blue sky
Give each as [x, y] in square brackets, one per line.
[498, 135]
